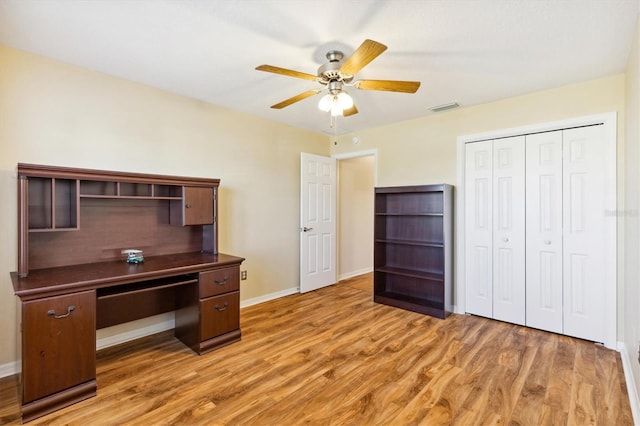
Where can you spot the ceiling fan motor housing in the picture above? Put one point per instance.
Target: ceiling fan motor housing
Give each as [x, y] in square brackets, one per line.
[330, 71]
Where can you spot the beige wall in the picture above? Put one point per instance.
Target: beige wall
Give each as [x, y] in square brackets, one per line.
[631, 302]
[355, 215]
[52, 113]
[423, 151]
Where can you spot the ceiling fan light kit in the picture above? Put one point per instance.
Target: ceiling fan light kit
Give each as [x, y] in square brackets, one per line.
[337, 103]
[336, 74]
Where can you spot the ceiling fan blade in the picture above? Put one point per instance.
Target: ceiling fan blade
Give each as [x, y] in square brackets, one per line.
[284, 71]
[351, 111]
[367, 52]
[389, 85]
[295, 99]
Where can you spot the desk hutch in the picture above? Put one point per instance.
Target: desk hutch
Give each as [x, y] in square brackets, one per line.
[72, 277]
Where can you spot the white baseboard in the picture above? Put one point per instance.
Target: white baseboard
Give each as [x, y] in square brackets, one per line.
[158, 327]
[270, 296]
[9, 369]
[137, 333]
[630, 381]
[352, 274]
[12, 368]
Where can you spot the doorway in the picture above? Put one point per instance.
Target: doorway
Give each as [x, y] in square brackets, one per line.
[356, 183]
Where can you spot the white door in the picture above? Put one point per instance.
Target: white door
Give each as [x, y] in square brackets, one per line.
[478, 228]
[544, 231]
[584, 284]
[317, 222]
[508, 230]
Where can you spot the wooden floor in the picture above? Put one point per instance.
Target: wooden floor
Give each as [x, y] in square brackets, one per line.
[333, 357]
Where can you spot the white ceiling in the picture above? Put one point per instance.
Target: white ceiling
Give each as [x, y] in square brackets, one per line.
[468, 51]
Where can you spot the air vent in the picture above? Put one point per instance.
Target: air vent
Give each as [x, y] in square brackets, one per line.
[444, 107]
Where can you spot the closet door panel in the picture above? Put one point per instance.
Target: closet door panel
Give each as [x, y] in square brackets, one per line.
[478, 228]
[584, 227]
[508, 230]
[544, 308]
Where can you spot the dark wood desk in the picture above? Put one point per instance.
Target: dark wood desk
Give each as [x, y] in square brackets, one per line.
[62, 308]
[73, 279]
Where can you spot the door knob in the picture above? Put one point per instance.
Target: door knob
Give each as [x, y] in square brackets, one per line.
[547, 242]
[305, 229]
[505, 239]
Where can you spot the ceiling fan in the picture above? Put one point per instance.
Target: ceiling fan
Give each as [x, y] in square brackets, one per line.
[336, 74]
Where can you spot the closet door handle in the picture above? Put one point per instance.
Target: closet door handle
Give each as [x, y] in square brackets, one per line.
[547, 242]
[505, 239]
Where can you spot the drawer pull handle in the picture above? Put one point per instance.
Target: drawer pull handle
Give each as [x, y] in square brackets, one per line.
[221, 308]
[52, 312]
[223, 282]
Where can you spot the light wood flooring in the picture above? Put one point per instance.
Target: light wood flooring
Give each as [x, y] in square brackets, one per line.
[333, 357]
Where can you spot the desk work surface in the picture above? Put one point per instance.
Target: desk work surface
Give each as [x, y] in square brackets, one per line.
[65, 279]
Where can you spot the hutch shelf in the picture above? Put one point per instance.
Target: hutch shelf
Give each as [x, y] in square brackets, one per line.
[413, 248]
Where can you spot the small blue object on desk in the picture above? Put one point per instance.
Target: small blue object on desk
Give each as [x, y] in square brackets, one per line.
[133, 256]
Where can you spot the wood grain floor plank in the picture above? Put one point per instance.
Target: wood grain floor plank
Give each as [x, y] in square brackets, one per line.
[551, 416]
[561, 378]
[333, 357]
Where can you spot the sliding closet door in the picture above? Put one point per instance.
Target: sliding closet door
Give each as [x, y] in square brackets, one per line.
[478, 228]
[544, 231]
[508, 230]
[584, 233]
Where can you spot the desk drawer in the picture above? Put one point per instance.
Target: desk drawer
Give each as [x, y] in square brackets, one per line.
[219, 281]
[219, 315]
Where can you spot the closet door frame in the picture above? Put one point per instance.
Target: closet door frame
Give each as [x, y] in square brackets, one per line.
[609, 123]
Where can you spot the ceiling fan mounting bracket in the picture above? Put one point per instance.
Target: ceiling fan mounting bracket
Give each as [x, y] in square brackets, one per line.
[334, 56]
